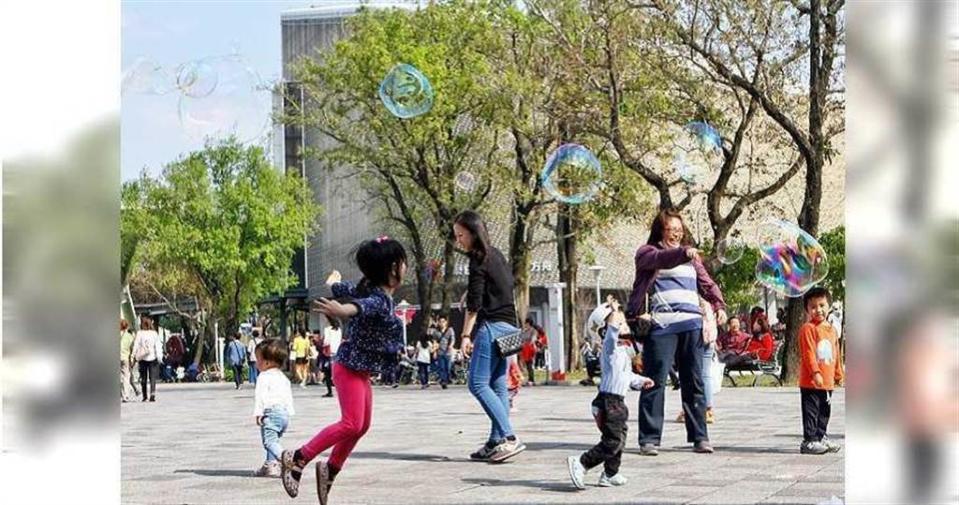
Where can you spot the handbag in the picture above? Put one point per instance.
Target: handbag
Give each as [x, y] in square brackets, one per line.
[510, 343]
[642, 324]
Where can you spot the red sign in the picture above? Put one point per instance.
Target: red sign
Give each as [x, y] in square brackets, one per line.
[410, 313]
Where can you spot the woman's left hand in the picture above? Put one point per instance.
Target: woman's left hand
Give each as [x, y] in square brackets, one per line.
[721, 317]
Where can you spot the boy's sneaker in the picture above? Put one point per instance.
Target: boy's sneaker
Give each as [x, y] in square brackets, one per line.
[616, 480]
[506, 449]
[813, 448]
[484, 453]
[830, 445]
[577, 472]
[323, 482]
[290, 473]
[648, 450]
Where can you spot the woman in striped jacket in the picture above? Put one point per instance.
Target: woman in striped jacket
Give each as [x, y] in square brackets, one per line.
[670, 277]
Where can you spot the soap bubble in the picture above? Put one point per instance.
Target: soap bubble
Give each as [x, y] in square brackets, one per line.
[596, 320]
[697, 149]
[572, 174]
[730, 250]
[196, 79]
[660, 310]
[239, 104]
[406, 92]
[466, 181]
[790, 260]
[463, 125]
[146, 77]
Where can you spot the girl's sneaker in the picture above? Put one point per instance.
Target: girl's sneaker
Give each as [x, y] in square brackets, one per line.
[323, 482]
[615, 480]
[290, 473]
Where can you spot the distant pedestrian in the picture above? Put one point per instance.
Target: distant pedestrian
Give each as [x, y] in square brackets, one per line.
[235, 354]
[148, 351]
[126, 362]
[255, 340]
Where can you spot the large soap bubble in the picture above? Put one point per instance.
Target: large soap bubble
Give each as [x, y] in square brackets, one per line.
[239, 103]
[730, 250]
[146, 77]
[572, 174]
[406, 92]
[791, 261]
[697, 150]
[466, 181]
[196, 79]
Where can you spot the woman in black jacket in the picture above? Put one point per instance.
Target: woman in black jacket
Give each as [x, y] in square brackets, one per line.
[490, 313]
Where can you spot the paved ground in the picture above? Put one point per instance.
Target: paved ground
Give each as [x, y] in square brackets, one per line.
[198, 445]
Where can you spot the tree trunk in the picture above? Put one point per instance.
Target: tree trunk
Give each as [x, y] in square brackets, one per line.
[449, 271]
[809, 214]
[424, 291]
[566, 253]
[520, 256]
[203, 335]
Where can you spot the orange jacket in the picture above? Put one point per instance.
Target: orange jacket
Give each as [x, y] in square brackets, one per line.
[819, 352]
[514, 376]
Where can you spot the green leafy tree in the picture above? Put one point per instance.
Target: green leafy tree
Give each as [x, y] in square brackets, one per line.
[220, 224]
[810, 54]
[834, 243]
[409, 165]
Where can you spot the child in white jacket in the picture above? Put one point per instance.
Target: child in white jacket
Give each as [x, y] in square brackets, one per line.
[273, 403]
[609, 409]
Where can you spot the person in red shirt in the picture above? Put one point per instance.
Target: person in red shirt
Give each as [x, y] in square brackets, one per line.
[761, 345]
[528, 353]
[820, 370]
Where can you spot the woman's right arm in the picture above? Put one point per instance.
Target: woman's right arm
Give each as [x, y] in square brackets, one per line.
[652, 258]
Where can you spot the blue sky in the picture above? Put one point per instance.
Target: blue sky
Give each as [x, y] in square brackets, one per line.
[172, 33]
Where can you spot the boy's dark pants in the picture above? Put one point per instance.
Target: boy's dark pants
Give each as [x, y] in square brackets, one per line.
[816, 408]
[611, 415]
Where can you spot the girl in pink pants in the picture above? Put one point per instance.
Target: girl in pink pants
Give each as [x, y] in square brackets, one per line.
[374, 330]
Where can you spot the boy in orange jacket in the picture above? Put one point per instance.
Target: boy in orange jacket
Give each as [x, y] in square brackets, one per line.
[820, 370]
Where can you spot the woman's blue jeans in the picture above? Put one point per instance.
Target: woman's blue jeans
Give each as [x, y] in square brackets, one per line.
[487, 378]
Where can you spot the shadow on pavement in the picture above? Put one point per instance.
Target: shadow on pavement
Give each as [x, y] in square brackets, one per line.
[218, 473]
[542, 485]
[406, 457]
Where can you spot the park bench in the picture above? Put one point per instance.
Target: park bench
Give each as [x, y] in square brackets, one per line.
[758, 368]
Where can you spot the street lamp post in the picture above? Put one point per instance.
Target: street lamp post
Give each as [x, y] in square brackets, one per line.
[403, 306]
[597, 271]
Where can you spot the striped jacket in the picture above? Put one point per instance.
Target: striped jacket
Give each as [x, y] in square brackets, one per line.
[674, 284]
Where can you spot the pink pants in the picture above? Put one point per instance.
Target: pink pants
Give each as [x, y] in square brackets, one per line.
[356, 409]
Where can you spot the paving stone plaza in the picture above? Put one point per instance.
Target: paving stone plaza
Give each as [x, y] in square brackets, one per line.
[199, 445]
